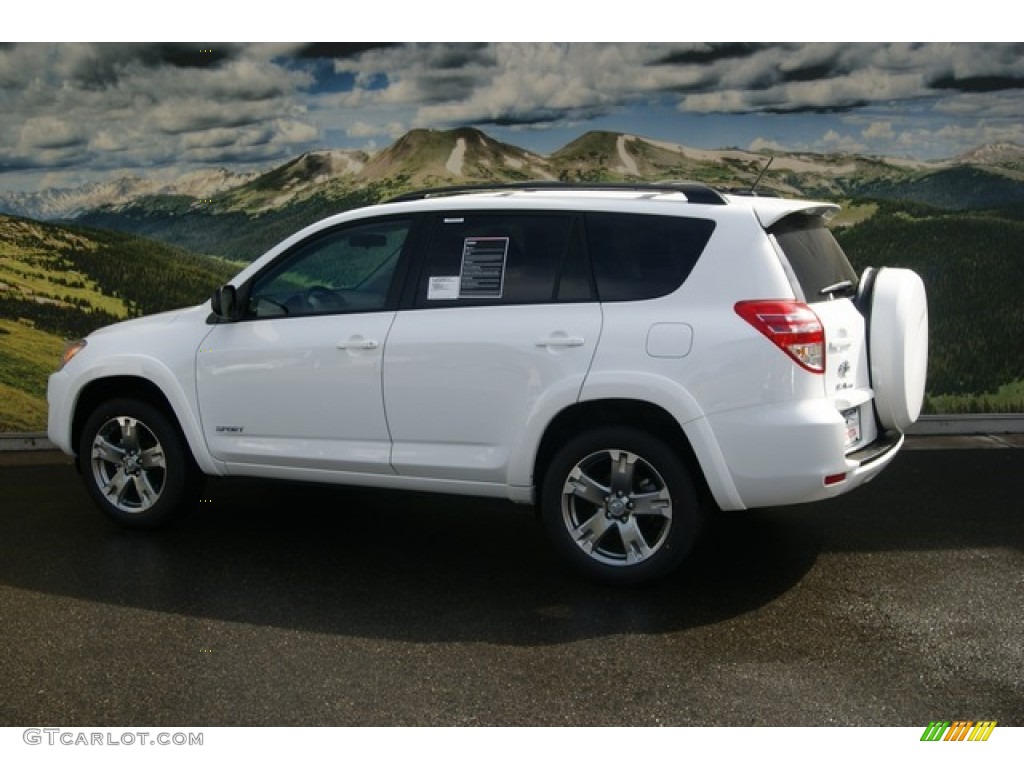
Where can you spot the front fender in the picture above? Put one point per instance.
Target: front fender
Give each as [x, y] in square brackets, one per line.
[115, 376]
[119, 358]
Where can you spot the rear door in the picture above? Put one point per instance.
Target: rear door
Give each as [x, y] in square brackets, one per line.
[499, 335]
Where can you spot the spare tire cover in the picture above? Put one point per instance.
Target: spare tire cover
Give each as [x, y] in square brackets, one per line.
[898, 346]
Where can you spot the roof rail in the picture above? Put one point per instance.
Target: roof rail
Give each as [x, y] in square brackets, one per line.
[694, 191]
[746, 192]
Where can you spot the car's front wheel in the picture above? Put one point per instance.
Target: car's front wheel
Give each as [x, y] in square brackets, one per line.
[620, 505]
[136, 465]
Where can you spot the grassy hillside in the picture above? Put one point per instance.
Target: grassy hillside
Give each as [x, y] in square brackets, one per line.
[61, 282]
[245, 220]
[219, 228]
[973, 268]
[959, 188]
[27, 357]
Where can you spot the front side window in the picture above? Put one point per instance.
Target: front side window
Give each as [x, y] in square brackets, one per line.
[350, 269]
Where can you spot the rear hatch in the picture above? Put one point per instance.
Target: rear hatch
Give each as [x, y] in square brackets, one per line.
[823, 278]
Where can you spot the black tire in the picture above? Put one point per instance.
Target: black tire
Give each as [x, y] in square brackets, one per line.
[136, 465]
[591, 500]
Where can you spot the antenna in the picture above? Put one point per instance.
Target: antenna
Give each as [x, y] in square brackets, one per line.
[761, 175]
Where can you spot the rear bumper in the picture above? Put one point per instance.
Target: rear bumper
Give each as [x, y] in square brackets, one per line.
[791, 453]
[872, 459]
[885, 446]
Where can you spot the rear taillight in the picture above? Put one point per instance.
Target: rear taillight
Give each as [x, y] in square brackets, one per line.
[792, 326]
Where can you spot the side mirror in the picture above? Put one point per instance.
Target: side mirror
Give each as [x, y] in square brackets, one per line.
[224, 303]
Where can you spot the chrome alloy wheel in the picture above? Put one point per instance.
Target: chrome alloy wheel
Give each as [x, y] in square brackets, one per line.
[617, 507]
[128, 464]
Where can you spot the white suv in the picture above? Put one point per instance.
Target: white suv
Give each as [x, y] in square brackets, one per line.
[624, 357]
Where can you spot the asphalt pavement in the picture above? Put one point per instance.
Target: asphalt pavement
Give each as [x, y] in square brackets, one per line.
[279, 604]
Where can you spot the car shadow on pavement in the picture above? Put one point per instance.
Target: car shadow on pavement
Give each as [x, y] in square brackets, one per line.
[422, 568]
[375, 564]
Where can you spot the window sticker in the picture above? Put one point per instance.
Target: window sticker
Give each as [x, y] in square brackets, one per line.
[483, 267]
[443, 288]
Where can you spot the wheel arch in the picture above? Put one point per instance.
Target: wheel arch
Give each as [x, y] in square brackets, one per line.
[107, 388]
[591, 414]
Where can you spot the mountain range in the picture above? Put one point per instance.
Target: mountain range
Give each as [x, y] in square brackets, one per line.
[202, 210]
[958, 223]
[69, 202]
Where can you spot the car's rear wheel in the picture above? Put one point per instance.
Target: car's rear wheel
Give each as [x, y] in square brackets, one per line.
[620, 505]
[136, 465]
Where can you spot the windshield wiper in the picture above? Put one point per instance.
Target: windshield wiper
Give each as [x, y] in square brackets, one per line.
[844, 286]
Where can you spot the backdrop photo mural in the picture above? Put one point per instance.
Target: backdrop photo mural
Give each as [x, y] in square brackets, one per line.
[135, 178]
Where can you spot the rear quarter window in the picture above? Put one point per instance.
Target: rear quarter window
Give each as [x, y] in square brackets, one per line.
[640, 256]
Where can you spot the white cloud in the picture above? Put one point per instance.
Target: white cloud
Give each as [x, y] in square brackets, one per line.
[505, 81]
[113, 106]
[361, 129]
[833, 141]
[879, 130]
[765, 145]
[294, 131]
[47, 132]
[117, 106]
[718, 101]
[955, 139]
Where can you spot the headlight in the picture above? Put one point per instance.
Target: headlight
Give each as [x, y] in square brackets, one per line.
[71, 349]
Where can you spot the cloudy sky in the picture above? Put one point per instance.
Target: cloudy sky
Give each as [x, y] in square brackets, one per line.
[71, 112]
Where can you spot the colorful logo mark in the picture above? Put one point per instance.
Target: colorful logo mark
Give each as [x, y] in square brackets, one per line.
[958, 730]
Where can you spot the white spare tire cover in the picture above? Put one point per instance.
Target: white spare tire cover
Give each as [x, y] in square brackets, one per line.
[898, 345]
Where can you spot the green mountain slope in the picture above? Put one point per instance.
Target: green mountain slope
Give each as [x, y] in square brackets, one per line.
[973, 269]
[246, 220]
[959, 188]
[988, 176]
[66, 280]
[60, 282]
[225, 228]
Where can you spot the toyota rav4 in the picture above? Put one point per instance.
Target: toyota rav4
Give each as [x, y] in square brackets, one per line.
[626, 358]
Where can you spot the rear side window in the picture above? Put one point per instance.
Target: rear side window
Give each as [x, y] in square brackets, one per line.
[638, 256]
[498, 258]
[817, 260]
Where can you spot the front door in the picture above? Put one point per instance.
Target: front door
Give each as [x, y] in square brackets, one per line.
[296, 382]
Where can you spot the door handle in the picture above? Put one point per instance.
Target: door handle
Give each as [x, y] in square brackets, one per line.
[561, 341]
[358, 343]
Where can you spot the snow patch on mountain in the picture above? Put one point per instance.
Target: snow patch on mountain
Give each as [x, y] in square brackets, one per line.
[454, 163]
[629, 165]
